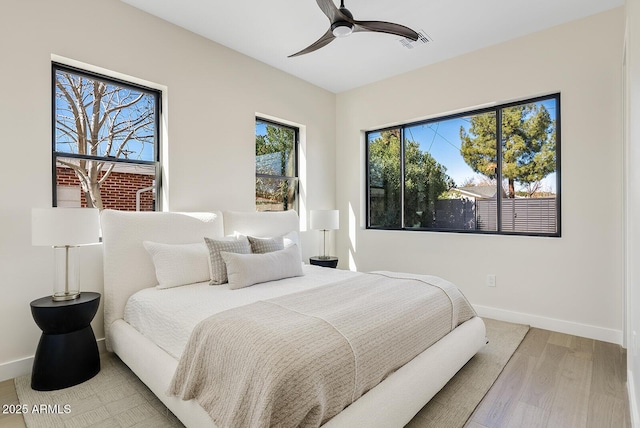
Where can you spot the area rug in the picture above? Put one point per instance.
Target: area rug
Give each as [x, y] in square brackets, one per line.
[115, 397]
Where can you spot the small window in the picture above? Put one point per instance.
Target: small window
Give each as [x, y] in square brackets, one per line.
[105, 142]
[276, 166]
[450, 173]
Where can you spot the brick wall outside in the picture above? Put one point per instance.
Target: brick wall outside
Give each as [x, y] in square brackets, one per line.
[118, 192]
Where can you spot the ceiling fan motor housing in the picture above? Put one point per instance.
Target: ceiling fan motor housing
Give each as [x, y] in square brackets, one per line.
[341, 28]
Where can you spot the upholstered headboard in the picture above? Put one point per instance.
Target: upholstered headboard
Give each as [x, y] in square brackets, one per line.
[128, 267]
[260, 224]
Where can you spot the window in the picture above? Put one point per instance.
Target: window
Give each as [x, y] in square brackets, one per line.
[105, 142]
[276, 166]
[450, 173]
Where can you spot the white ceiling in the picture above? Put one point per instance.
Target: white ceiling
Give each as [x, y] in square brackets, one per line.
[271, 30]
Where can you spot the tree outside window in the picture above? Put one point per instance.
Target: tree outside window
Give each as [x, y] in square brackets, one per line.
[494, 170]
[105, 148]
[276, 166]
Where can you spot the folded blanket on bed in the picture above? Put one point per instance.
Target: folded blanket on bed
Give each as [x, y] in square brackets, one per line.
[300, 359]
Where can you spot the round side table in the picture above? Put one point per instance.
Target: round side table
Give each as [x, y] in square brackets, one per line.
[67, 353]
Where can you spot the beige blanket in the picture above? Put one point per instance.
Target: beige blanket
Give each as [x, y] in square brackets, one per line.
[298, 360]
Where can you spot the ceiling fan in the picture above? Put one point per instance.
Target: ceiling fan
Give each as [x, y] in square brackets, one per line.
[343, 24]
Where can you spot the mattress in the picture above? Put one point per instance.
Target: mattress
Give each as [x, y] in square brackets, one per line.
[168, 316]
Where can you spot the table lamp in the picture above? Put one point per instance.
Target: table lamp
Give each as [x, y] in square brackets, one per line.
[325, 220]
[65, 229]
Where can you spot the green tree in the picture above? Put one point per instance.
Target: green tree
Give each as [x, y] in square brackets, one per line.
[275, 156]
[528, 145]
[384, 179]
[277, 140]
[425, 181]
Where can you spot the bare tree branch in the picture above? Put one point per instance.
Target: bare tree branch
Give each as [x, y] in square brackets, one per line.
[100, 119]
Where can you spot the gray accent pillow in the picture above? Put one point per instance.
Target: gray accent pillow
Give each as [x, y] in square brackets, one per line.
[217, 266]
[265, 245]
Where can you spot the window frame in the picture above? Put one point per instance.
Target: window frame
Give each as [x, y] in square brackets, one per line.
[296, 144]
[157, 94]
[497, 109]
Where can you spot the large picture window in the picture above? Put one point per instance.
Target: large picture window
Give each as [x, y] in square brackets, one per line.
[276, 166]
[495, 170]
[105, 142]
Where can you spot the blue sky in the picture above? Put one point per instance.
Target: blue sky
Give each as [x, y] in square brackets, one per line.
[442, 141]
[261, 128]
[135, 149]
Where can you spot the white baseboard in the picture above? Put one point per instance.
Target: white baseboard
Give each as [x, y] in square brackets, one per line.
[633, 401]
[561, 326]
[16, 368]
[13, 369]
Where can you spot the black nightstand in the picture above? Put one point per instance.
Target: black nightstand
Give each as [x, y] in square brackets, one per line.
[67, 353]
[330, 262]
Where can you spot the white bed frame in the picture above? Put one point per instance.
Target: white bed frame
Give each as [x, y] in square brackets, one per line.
[128, 268]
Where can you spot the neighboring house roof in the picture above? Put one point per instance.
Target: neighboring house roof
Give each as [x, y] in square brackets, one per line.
[478, 192]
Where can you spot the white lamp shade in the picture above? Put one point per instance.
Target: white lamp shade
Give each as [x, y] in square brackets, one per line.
[325, 219]
[64, 226]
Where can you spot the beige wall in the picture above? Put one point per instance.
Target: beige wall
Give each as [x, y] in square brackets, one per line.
[573, 283]
[211, 97]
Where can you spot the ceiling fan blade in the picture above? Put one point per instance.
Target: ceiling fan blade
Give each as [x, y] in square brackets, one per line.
[327, 38]
[332, 11]
[385, 27]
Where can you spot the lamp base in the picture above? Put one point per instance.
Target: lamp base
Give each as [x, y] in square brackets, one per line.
[324, 261]
[61, 297]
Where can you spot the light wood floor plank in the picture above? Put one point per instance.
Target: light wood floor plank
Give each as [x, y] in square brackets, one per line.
[496, 407]
[13, 421]
[571, 402]
[606, 411]
[527, 416]
[473, 424]
[582, 347]
[609, 370]
[8, 396]
[7, 389]
[541, 390]
[560, 339]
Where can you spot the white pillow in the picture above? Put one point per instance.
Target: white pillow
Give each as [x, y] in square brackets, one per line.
[244, 270]
[292, 238]
[179, 264]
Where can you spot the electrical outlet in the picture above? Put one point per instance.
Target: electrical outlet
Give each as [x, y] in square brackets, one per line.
[491, 280]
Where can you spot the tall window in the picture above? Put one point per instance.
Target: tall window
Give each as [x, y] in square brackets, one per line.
[276, 166]
[494, 170]
[105, 141]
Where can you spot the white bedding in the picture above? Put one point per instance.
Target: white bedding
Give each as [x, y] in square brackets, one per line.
[167, 316]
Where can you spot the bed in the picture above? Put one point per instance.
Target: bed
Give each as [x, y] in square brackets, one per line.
[149, 328]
